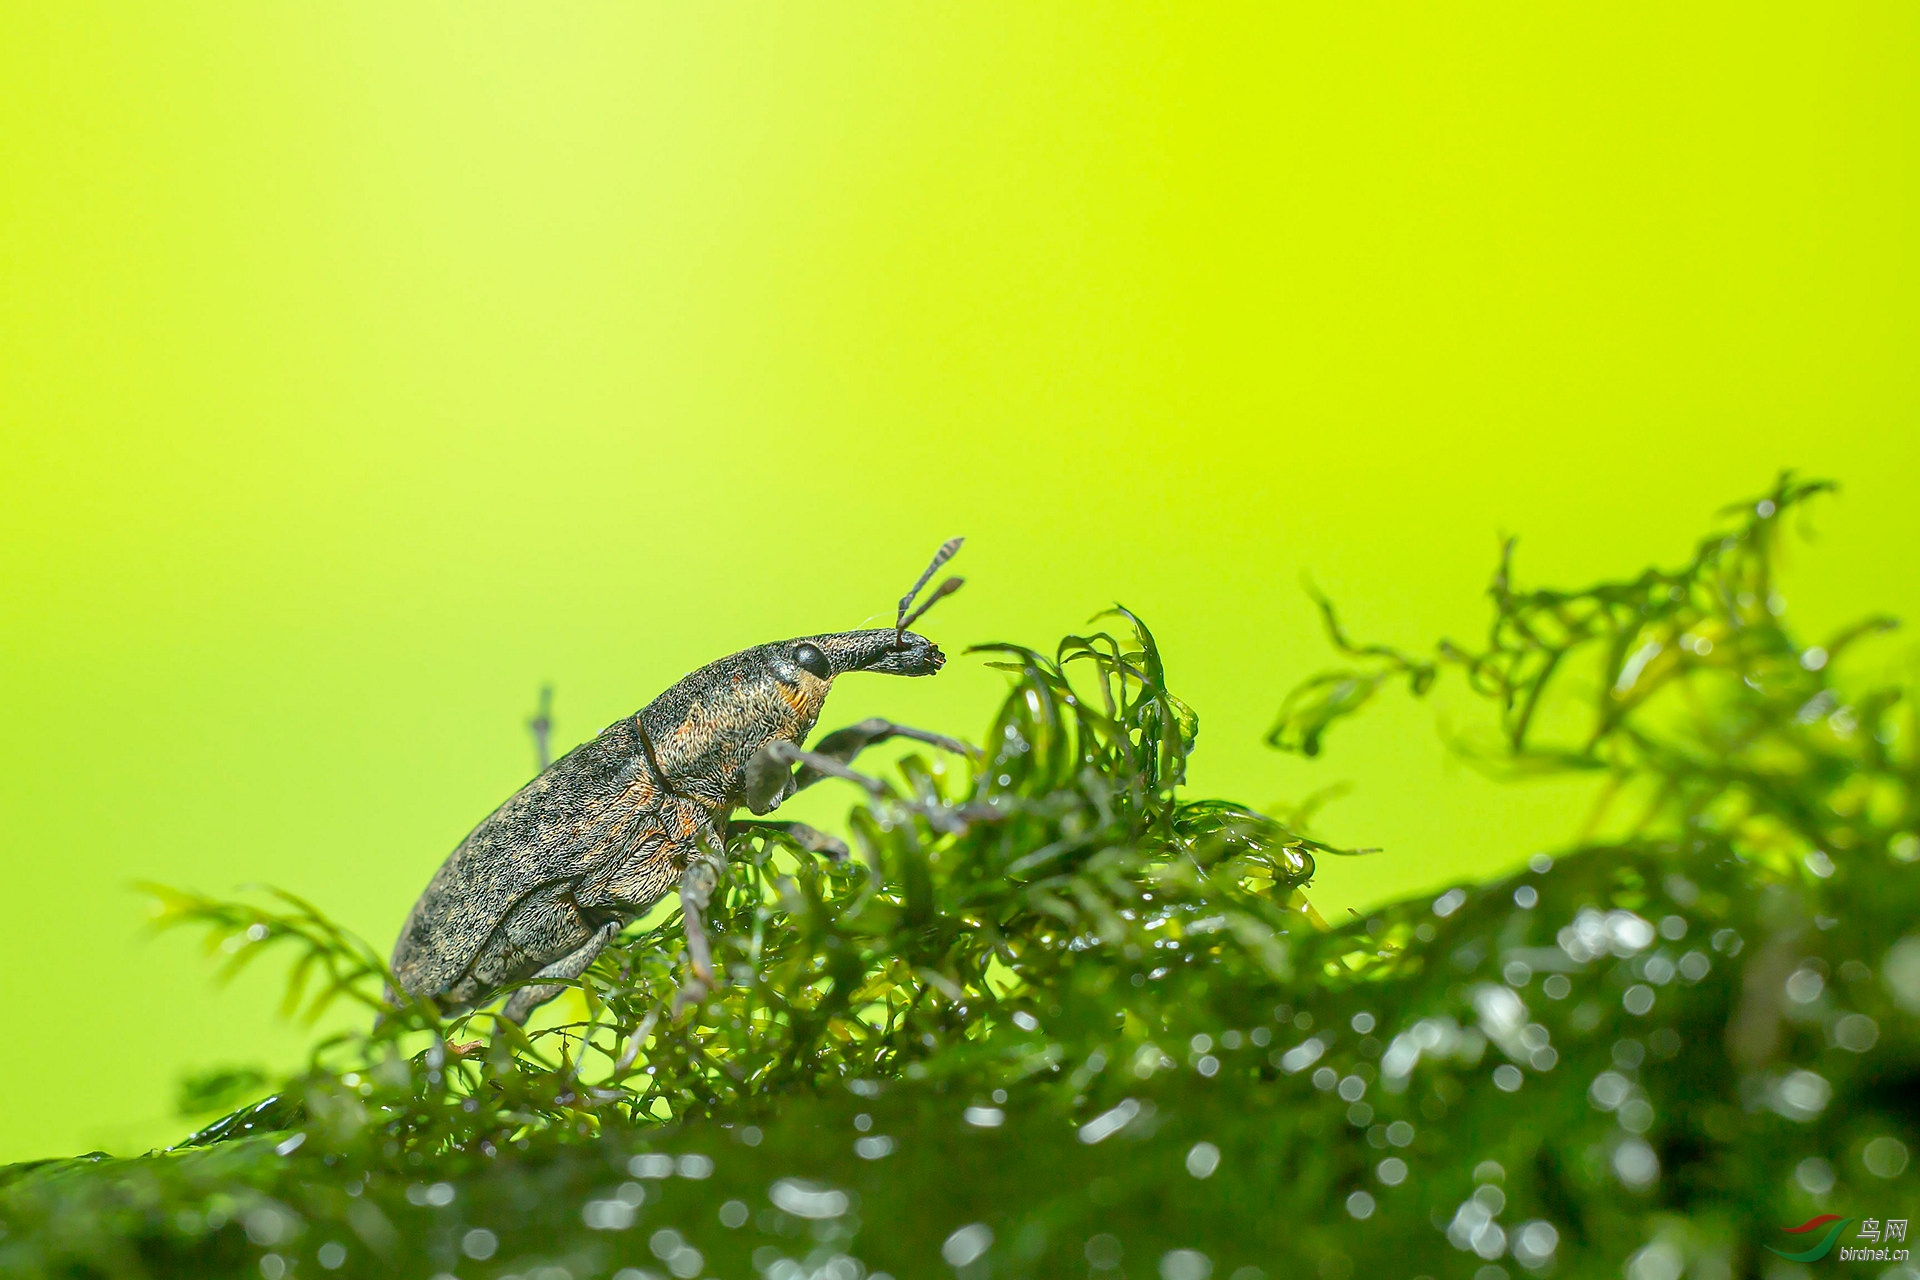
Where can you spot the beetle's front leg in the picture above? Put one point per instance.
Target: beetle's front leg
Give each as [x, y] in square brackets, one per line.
[842, 745]
[812, 839]
[697, 884]
[771, 777]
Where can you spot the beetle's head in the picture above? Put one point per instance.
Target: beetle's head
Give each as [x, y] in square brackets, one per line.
[811, 662]
[893, 651]
[886, 651]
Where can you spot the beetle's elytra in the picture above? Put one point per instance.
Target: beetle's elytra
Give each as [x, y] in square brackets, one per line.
[602, 834]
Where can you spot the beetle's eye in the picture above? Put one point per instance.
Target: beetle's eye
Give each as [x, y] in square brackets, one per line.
[809, 658]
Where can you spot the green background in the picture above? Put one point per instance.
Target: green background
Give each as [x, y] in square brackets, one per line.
[363, 367]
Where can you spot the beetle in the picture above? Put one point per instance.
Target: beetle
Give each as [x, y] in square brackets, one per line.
[548, 879]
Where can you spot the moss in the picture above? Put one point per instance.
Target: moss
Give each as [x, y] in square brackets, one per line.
[1056, 1018]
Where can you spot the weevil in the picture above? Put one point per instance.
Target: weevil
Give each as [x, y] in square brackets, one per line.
[546, 881]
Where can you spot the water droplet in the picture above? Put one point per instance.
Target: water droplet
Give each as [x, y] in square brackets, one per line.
[1801, 1096]
[1185, 1264]
[1900, 973]
[966, 1244]
[1885, 1157]
[1108, 1123]
[1814, 1175]
[1660, 1260]
[1855, 1033]
[1104, 1251]
[1302, 1056]
[1805, 986]
[1636, 1165]
[607, 1215]
[809, 1200]
[1608, 1090]
[1534, 1243]
[650, 1164]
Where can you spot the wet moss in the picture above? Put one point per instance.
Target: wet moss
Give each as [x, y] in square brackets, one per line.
[1057, 1018]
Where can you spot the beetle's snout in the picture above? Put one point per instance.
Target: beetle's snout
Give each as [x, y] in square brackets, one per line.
[914, 656]
[907, 653]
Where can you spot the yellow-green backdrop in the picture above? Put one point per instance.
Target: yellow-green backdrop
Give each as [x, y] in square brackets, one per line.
[364, 366]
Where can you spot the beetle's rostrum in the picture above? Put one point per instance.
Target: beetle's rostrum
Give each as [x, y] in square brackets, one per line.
[534, 892]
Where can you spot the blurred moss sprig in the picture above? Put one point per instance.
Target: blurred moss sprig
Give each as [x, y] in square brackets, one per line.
[1684, 687]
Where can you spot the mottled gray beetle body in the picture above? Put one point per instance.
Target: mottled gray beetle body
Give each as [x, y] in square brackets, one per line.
[539, 887]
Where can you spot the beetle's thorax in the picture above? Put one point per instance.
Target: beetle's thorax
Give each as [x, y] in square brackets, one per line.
[705, 729]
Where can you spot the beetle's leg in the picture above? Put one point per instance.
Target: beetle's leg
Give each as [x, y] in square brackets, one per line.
[842, 745]
[769, 781]
[769, 778]
[814, 766]
[809, 838]
[697, 884]
[525, 1000]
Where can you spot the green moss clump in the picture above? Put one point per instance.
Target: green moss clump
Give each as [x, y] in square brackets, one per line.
[1056, 1019]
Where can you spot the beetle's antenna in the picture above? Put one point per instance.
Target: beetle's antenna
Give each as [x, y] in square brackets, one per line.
[541, 727]
[947, 588]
